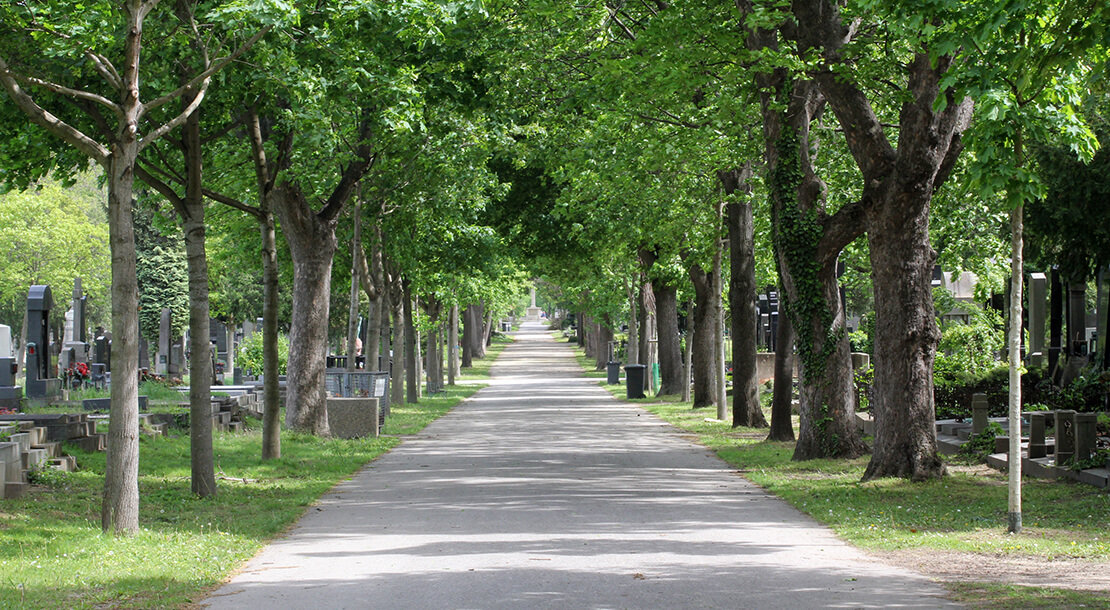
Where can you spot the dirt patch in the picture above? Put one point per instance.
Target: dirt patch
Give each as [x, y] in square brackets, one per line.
[954, 566]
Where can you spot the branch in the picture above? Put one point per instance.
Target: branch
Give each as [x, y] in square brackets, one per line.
[153, 136]
[232, 202]
[364, 159]
[56, 88]
[164, 189]
[41, 117]
[204, 76]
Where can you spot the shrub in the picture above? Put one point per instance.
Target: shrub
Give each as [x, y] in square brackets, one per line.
[250, 353]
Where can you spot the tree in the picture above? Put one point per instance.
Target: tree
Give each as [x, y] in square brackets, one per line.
[115, 148]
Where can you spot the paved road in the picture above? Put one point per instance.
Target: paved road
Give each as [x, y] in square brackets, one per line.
[543, 491]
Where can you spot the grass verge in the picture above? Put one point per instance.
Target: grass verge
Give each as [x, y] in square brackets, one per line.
[55, 556]
[963, 512]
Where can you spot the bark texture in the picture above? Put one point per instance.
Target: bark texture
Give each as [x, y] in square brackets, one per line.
[312, 245]
[746, 409]
[899, 185]
[702, 353]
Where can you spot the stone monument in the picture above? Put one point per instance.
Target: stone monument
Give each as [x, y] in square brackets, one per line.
[40, 383]
[10, 394]
[533, 312]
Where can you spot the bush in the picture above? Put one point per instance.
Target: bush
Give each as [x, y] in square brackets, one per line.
[250, 353]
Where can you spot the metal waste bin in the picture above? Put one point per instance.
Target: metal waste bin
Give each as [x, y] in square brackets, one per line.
[613, 369]
[634, 380]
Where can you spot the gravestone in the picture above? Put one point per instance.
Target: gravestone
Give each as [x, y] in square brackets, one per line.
[1065, 437]
[979, 412]
[1038, 282]
[10, 394]
[40, 383]
[1086, 435]
[1037, 446]
[162, 366]
[144, 354]
[103, 351]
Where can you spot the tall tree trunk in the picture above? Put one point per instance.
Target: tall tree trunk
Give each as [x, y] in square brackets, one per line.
[688, 361]
[397, 302]
[411, 376]
[487, 330]
[120, 511]
[906, 336]
[1017, 274]
[271, 388]
[453, 345]
[203, 475]
[632, 352]
[604, 336]
[746, 408]
[670, 350]
[719, 326]
[312, 245]
[782, 397]
[702, 320]
[352, 311]
[469, 329]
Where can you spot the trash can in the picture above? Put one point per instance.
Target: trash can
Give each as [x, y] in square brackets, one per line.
[614, 371]
[634, 380]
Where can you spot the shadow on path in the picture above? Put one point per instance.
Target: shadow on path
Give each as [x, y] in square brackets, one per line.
[544, 491]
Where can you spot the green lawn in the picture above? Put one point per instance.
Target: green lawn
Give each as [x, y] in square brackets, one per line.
[964, 512]
[54, 555]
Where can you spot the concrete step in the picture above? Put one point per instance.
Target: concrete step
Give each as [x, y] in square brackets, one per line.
[236, 426]
[14, 489]
[66, 463]
[34, 458]
[92, 442]
[53, 448]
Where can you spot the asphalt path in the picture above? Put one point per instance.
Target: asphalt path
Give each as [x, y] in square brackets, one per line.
[542, 491]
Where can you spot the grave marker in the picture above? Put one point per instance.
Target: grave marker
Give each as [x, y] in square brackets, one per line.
[1037, 446]
[1065, 437]
[1037, 301]
[1085, 435]
[37, 367]
[10, 394]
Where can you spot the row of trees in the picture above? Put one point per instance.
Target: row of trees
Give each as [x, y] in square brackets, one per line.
[845, 120]
[627, 150]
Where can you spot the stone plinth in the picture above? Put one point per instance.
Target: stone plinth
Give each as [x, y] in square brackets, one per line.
[353, 417]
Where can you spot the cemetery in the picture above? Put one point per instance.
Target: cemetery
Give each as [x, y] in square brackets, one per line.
[461, 300]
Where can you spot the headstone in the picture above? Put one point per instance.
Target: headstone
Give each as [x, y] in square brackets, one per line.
[979, 411]
[103, 352]
[79, 313]
[10, 394]
[162, 366]
[1065, 437]
[40, 384]
[1055, 319]
[861, 361]
[1076, 344]
[144, 354]
[217, 332]
[1038, 282]
[1037, 446]
[1085, 435]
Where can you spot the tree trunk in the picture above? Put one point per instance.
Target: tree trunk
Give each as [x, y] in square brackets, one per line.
[397, 302]
[719, 328]
[746, 408]
[202, 463]
[312, 245]
[704, 358]
[271, 389]
[352, 310]
[688, 369]
[487, 330]
[604, 336]
[120, 511]
[1017, 274]
[632, 352]
[666, 320]
[469, 329]
[906, 336]
[411, 377]
[782, 421]
[453, 345]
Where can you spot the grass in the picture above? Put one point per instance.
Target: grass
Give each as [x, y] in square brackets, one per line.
[991, 595]
[965, 511]
[54, 554]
